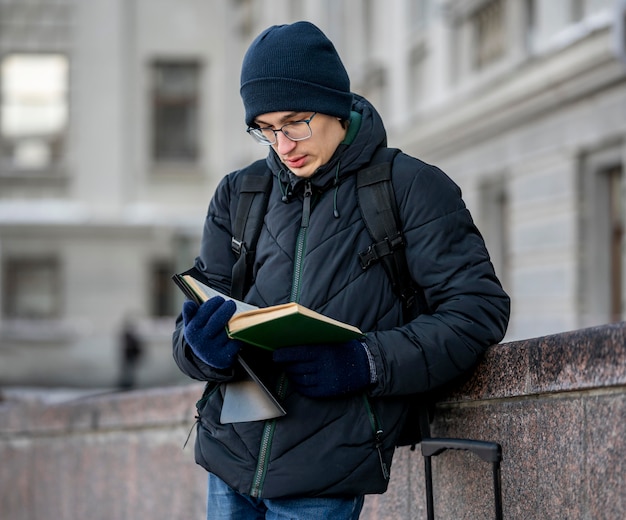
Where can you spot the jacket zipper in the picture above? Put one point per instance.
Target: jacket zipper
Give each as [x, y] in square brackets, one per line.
[301, 241]
[266, 444]
[378, 436]
[261, 466]
[270, 426]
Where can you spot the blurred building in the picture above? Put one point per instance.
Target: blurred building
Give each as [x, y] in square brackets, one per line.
[119, 117]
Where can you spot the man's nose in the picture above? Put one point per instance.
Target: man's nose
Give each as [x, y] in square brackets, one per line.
[283, 144]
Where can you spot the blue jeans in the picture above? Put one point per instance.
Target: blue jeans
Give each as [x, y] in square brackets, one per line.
[224, 503]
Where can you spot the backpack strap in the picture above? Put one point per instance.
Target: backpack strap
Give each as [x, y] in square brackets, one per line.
[379, 211]
[251, 208]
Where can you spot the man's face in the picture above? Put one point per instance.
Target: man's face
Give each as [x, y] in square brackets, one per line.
[303, 158]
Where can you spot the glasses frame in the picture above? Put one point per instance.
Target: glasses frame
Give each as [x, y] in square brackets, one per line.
[266, 142]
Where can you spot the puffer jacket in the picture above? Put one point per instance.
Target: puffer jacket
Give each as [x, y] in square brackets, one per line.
[307, 252]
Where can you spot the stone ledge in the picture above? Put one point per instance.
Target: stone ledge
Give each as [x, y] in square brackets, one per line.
[150, 408]
[577, 360]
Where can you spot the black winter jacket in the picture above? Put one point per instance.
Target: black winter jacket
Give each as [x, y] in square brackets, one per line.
[326, 447]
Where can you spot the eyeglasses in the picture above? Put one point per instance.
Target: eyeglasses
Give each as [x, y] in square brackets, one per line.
[296, 131]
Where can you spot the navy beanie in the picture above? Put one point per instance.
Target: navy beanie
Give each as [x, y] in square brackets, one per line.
[294, 68]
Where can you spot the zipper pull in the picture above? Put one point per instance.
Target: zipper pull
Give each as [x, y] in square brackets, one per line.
[379, 443]
[308, 188]
[197, 420]
[306, 205]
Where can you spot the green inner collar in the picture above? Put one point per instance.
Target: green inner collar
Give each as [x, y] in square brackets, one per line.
[353, 127]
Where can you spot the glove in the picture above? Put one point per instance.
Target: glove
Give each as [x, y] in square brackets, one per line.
[326, 370]
[205, 331]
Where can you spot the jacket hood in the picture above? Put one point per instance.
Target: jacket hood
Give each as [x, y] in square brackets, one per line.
[347, 159]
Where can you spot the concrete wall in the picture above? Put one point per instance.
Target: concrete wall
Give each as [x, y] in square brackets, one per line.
[557, 404]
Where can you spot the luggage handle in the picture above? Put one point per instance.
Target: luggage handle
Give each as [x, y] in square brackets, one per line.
[486, 451]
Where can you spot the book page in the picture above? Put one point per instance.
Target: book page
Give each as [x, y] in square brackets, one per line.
[207, 293]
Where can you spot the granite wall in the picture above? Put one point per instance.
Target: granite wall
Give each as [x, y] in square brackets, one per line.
[556, 404]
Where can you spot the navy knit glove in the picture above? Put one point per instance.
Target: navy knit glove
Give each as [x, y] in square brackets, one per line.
[326, 370]
[205, 331]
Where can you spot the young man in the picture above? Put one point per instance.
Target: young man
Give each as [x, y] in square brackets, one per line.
[345, 402]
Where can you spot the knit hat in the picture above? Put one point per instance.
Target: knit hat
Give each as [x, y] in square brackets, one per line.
[294, 68]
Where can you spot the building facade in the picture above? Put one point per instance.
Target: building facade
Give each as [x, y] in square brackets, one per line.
[119, 117]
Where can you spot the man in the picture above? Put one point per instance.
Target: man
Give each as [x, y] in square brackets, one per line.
[131, 352]
[345, 402]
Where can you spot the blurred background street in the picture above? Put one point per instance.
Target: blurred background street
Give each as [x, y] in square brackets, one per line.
[119, 117]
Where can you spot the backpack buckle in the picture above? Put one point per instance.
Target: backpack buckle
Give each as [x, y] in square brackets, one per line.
[383, 248]
[368, 257]
[237, 246]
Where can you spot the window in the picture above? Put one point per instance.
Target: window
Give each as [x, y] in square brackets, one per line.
[33, 110]
[494, 219]
[368, 26]
[31, 288]
[577, 9]
[34, 84]
[175, 109]
[530, 13]
[613, 180]
[620, 31]
[488, 30]
[602, 292]
[420, 13]
[246, 12]
[417, 76]
[162, 297]
[418, 19]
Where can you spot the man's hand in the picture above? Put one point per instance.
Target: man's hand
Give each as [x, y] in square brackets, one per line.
[205, 331]
[326, 370]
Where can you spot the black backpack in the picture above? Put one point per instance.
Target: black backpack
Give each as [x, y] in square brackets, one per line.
[379, 211]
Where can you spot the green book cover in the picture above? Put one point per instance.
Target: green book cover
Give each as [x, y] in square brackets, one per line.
[289, 324]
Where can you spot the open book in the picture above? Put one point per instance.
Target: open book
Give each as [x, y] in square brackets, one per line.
[276, 326]
[269, 328]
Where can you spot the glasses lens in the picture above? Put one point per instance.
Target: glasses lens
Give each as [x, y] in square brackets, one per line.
[297, 131]
[262, 135]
